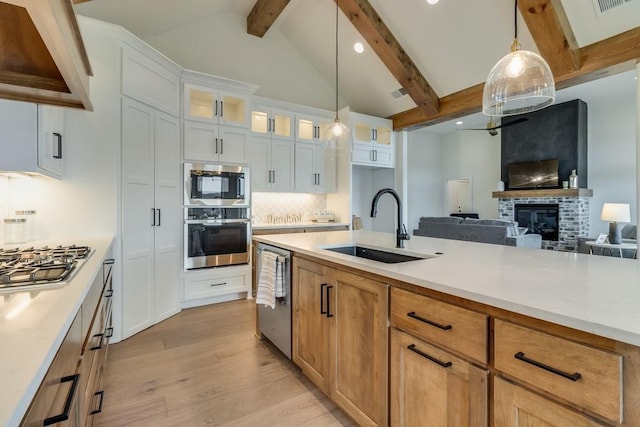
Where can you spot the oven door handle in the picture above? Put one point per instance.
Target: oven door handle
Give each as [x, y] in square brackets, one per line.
[241, 187]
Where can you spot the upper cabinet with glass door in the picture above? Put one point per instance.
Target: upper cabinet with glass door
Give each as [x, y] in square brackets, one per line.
[216, 106]
[369, 129]
[311, 128]
[272, 122]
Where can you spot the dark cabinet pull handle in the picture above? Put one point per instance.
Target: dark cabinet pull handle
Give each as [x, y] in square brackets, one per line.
[274, 176]
[322, 286]
[108, 332]
[268, 125]
[109, 261]
[573, 377]
[218, 284]
[413, 348]
[101, 394]
[67, 404]
[221, 108]
[429, 322]
[99, 346]
[153, 217]
[108, 293]
[216, 147]
[216, 108]
[59, 138]
[329, 314]
[221, 146]
[318, 178]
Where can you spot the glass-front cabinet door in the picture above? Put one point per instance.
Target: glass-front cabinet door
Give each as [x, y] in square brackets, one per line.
[309, 128]
[272, 122]
[215, 106]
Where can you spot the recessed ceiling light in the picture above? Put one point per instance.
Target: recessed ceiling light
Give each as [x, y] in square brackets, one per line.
[432, 1]
[358, 47]
[459, 122]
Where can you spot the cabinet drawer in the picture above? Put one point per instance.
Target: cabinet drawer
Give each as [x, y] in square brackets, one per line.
[213, 286]
[588, 377]
[456, 328]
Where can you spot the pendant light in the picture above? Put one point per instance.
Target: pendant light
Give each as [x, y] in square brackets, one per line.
[337, 133]
[519, 83]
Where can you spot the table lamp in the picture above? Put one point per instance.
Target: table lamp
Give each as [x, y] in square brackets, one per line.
[615, 213]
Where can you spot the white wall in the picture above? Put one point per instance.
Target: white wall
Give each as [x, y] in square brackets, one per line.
[228, 51]
[611, 154]
[424, 177]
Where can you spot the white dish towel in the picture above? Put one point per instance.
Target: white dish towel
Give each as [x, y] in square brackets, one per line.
[270, 280]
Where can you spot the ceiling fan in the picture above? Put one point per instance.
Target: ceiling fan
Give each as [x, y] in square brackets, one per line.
[493, 128]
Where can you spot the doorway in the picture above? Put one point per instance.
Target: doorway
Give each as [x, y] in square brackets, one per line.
[458, 195]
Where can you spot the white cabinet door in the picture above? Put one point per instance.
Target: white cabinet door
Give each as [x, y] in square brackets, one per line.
[233, 144]
[151, 220]
[234, 109]
[272, 122]
[200, 141]
[259, 158]
[51, 139]
[311, 128]
[168, 229]
[326, 165]
[138, 217]
[306, 175]
[282, 158]
[18, 136]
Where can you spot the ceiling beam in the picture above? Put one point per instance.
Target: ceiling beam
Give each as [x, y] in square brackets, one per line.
[263, 15]
[601, 59]
[549, 27]
[369, 24]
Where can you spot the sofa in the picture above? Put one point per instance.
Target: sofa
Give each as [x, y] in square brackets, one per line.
[495, 231]
[628, 233]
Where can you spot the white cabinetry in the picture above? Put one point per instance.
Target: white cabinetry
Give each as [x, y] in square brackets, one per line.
[210, 142]
[31, 138]
[209, 285]
[315, 168]
[213, 105]
[151, 220]
[273, 122]
[373, 141]
[271, 162]
[311, 128]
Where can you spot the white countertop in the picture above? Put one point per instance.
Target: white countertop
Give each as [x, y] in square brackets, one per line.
[591, 293]
[33, 324]
[266, 226]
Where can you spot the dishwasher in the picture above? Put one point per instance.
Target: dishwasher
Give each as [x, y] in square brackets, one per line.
[275, 323]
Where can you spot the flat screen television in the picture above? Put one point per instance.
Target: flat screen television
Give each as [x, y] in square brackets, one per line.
[538, 174]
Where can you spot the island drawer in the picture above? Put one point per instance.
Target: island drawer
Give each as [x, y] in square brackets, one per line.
[586, 376]
[459, 329]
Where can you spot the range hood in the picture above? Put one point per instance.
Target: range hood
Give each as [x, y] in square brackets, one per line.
[43, 59]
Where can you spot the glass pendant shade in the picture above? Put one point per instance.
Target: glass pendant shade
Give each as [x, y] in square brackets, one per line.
[337, 136]
[519, 83]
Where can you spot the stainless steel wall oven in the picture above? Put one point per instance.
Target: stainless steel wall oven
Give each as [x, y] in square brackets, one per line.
[215, 237]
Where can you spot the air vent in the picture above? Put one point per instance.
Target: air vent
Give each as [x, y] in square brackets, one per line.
[602, 6]
[399, 93]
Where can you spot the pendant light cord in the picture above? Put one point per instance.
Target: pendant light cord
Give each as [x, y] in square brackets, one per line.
[515, 19]
[337, 60]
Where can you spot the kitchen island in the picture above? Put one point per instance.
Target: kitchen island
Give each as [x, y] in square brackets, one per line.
[34, 323]
[492, 305]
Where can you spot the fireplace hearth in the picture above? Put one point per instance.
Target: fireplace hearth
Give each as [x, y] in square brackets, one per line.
[540, 219]
[572, 220]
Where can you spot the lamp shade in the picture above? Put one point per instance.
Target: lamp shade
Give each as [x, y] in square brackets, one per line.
[519, 83]
[616, 212]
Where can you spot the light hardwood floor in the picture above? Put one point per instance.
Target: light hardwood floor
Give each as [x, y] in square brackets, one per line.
[204, 366]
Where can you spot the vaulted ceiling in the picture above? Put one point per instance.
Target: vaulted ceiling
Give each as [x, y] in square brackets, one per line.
[439, 54]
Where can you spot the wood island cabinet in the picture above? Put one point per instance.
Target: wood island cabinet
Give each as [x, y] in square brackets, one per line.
[340, 337]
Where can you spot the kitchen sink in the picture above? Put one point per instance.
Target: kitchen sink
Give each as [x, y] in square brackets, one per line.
[376, 254]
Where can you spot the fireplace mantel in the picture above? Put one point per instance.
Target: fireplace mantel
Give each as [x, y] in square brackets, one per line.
[547, 192]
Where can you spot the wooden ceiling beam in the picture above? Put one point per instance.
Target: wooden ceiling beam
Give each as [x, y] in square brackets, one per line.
[601, 59]
[369, 24]
[263, 15]
[549, 27]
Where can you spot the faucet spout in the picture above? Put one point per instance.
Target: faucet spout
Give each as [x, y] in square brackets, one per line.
[401, 231]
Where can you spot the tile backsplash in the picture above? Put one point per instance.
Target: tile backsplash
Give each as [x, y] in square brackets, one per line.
[292, 205]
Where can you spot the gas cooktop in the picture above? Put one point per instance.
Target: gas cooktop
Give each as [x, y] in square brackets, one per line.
[29, 267]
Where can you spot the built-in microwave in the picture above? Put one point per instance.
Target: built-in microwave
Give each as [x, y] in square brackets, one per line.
[216, 185]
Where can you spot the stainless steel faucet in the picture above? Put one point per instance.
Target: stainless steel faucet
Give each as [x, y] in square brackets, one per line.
[401, 231]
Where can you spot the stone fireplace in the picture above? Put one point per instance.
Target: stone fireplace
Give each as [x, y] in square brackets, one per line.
[573, 213]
